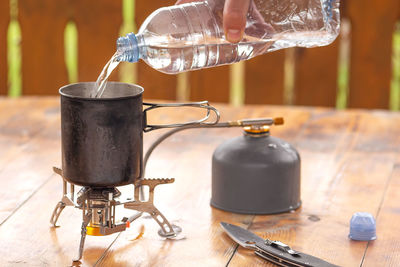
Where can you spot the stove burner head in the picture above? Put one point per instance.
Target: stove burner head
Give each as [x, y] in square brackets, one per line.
[98, 193]
[98, 206]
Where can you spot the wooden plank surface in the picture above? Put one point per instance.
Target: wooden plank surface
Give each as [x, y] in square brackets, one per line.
[98, 25]
[265, 79]
[371, 51]
[42, 28]
[205, 244]
[358, 176]
[210, 84]
[43, 244]
[316, 72]
[4, 20]
[29, 128]
[156, 85]
[316, 76]
[383, 251]
[349, 163]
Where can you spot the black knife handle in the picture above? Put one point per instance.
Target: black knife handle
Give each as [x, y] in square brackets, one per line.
[275, 260]
[282, 258]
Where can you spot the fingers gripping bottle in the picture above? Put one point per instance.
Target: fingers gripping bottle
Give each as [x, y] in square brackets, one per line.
[190, 36]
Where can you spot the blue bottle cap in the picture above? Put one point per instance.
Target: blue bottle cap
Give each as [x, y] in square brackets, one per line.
[128, 48]
[362, 227]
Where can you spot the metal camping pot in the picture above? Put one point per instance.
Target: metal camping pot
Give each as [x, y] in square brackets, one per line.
[102, 138]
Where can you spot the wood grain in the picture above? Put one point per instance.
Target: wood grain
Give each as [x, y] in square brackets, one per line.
[211, 84]
[98, 27]
[42, 244]
[265, 79]
[43, 65]
[156, 85]
[316, 76]
[371, 51]
[349, 163]
[338, 180]
[4, 20]
[188, 202]
[316, 72]
[31, 130]
[383, 251]
[42, 28]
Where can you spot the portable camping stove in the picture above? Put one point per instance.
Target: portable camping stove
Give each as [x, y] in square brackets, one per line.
[98, 209]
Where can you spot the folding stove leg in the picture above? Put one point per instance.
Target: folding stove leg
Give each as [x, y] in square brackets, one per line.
[65, 201]
[167, 230]
[56, 213]
[85, 223]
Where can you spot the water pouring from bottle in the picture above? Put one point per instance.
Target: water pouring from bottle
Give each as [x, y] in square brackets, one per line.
[101, 82]
[190, 36]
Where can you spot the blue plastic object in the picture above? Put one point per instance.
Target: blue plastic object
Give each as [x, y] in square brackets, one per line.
[362, 227]
[128, 48]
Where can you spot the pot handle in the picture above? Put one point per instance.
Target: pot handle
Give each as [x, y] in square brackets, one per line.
[202, 121]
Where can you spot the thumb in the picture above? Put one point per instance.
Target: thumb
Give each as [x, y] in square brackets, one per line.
[235, 12]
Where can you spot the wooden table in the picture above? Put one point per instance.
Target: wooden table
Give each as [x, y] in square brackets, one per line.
[350, 162]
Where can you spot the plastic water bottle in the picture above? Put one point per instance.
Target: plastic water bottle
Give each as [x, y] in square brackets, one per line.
[190, 36]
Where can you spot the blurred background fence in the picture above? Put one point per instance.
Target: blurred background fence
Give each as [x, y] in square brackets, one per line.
[45, 44]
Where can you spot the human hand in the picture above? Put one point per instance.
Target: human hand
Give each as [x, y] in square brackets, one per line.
[234, 18]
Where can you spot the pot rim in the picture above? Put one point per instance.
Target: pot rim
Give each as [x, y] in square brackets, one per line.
[134, 94]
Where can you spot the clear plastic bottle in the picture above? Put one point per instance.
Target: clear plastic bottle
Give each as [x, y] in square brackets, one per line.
[190, 36]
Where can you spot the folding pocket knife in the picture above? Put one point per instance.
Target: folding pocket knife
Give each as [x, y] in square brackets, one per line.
[273, 251]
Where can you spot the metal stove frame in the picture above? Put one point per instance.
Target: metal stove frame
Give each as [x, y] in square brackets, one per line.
[98, 209]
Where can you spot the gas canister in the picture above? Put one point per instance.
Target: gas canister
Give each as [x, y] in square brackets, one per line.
[256, 174]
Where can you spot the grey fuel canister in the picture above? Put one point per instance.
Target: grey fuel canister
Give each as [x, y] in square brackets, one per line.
[256, 174]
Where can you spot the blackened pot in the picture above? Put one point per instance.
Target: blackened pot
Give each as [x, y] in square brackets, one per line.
[102, 138]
